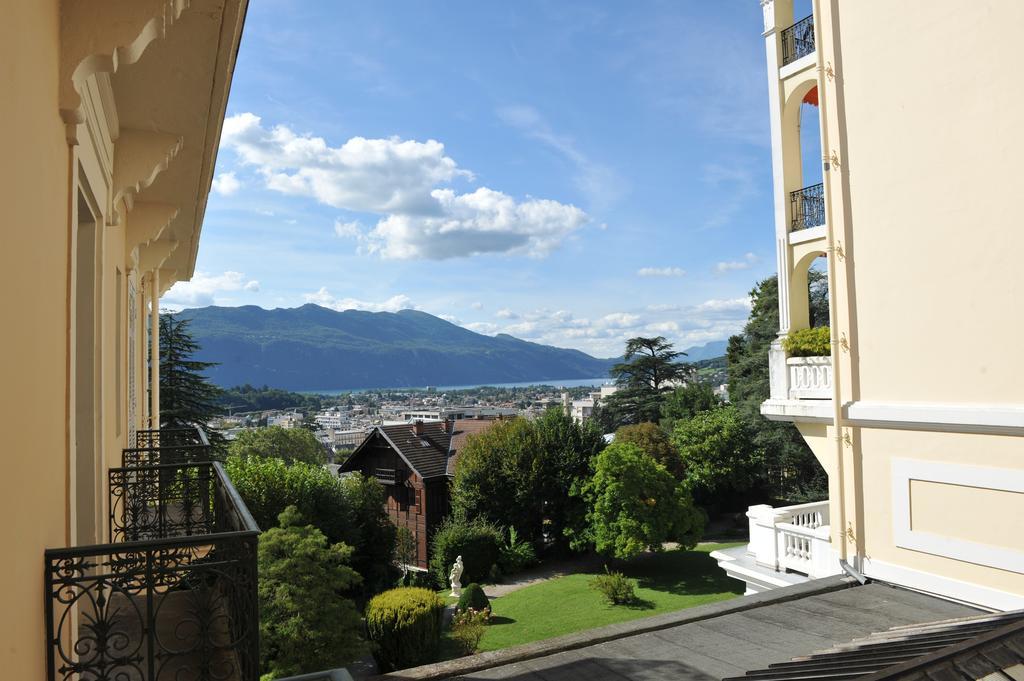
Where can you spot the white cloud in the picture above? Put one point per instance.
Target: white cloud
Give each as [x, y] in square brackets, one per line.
[206, 289]
[484, 221]
[505, 313]
[403, 181]
[226, 183]
[620, 320]
[450, 318]
[324, 298]
[663, 327]
[348, 230]
[477, 305]
[372, 175]
[660, 272]
[727, 305]
[749, 260]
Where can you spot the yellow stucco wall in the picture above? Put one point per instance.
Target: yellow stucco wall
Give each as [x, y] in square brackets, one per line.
[33, 263]
[926, 139]
[933, 146]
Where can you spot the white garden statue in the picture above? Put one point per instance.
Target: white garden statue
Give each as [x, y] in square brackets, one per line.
[455, 577]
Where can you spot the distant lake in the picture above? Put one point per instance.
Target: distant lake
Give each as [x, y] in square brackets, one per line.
[558, 383]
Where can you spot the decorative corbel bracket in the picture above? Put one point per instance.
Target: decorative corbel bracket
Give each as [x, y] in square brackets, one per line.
[153, 255]
[168, 278]
[146, 223]
[139, 156]
[100, 37]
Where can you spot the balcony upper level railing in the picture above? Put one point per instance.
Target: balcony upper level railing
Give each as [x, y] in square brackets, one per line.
[174, 597]
[798, 40]
[807, 207]
[167, 445]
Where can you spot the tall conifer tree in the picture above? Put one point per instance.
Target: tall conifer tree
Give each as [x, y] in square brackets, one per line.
[187, 398]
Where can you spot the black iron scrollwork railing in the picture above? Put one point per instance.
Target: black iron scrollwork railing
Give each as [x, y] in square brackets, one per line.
[175, 597]
[798, 40]
[807, 207]
[167, 445]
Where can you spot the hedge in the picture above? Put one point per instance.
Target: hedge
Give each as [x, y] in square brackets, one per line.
[473, 596]
[405, 626]
[478, 542]
[816, 342]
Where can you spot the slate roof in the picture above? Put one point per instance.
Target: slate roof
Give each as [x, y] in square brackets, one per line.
[434, 452]
[728, 645]
[961, 649]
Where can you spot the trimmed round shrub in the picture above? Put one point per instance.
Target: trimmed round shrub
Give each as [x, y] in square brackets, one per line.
[405, 627]
[477, 541]
[473, 596]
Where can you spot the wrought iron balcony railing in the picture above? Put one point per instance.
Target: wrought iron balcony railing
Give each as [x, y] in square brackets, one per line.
[174, 597]
[807, 207]
[798, 40]
[167, 445]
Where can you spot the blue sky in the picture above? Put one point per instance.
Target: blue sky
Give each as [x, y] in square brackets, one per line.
[572, 173]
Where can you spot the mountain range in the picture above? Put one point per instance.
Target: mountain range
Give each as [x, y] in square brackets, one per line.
[313, 348]
[316, 348]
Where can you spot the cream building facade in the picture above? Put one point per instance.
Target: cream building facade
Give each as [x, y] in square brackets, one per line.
[111, 120]
[918, 415]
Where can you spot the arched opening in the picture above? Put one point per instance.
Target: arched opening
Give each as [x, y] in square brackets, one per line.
[809, 292]
[806, 198]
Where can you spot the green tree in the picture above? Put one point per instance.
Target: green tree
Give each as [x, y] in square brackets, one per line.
[567, 449]
[405, 550]
[687, 401]
[289, 444]
[654, 442]
[497, 477]
[306, 622]
[648, 371]
[187, 398]
[791, 472]
[521, 474]
[636, 505]
[269, 486]
[719, 458]
[349, 510]
[374, 533]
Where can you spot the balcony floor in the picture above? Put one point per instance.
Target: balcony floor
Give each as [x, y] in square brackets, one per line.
[739, 564]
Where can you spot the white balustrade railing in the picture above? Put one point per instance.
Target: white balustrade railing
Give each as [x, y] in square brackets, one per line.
[798, 378]
[810, 378]
[793, 538]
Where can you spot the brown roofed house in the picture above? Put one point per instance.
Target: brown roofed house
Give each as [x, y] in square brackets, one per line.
[416, 463]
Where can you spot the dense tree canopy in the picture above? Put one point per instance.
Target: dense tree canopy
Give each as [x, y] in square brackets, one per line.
[791, 472]
[306, 622]
[655, 443]
[648, 371]
[520, 473]
[635, 504]
[350, 510]
[718, 454]
[687, 401]
[289, 444]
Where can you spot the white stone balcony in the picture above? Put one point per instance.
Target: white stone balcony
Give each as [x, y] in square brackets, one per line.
[800, 387]
[788, 545]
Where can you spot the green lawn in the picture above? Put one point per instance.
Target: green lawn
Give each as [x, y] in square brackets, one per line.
[667, 581]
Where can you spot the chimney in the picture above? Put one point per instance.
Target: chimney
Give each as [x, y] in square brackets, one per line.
[417, 428]
[449, 425]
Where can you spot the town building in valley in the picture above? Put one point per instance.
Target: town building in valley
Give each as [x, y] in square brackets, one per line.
[415, 463]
